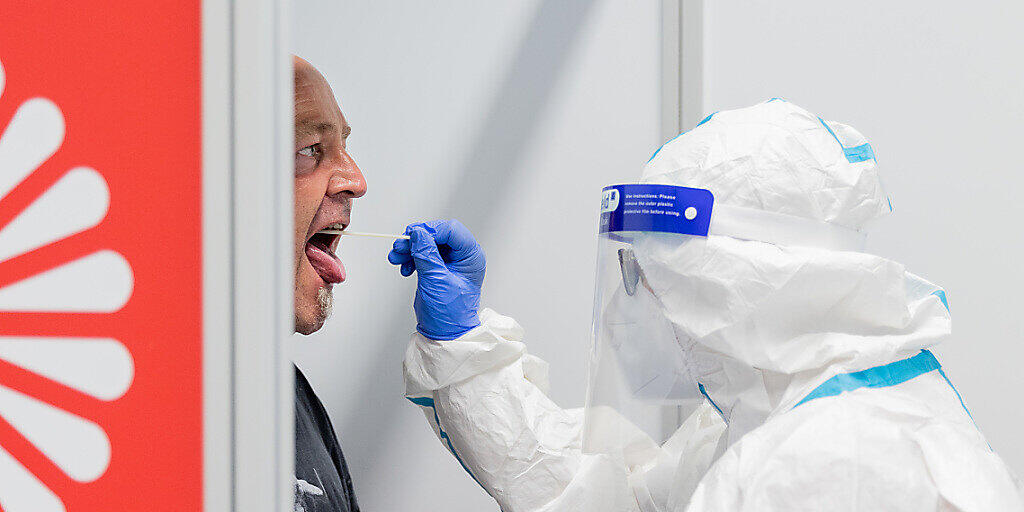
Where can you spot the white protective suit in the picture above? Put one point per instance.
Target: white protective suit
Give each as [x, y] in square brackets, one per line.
[830, 401]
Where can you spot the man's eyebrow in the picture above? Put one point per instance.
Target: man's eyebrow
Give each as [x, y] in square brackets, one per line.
[308, 127]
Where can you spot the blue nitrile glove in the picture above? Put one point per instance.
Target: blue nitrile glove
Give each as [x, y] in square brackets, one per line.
[450, 265]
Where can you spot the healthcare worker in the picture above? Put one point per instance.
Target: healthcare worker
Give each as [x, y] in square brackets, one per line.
[733, 294]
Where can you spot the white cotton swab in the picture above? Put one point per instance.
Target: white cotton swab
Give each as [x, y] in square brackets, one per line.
[356, 233]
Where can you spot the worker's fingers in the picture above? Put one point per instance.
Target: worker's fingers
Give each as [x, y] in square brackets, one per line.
[424, 251]
[407, 268]
[456, 244]
[450, 240]
[398, 258]
[456, 236]
[401, 254]
[402, 245]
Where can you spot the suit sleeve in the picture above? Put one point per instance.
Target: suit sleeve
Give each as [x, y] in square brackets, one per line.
[486, 400]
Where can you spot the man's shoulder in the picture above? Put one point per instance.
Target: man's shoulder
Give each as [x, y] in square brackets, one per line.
[308, 403]
[319, 461]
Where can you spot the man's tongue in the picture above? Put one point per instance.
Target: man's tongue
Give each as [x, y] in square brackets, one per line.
[326, 264]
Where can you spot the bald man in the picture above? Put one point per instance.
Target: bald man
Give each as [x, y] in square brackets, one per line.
[326, 182]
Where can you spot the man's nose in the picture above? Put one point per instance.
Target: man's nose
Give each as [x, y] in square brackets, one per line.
[346, 178]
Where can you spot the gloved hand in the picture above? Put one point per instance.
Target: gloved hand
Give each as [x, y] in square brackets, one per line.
[450, 265]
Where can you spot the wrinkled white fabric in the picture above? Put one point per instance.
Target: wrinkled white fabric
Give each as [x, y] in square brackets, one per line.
[775, 157]
[487, 397]
[906, 447]
[772, 323]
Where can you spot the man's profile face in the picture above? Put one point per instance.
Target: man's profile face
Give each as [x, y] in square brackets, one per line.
[326, 181]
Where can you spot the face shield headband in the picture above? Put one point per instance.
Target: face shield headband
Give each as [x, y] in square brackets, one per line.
[652, 207]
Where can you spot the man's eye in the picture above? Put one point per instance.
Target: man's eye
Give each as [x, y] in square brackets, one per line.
[311, 151]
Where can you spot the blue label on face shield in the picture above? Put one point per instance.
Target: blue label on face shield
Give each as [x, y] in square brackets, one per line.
[651, 207]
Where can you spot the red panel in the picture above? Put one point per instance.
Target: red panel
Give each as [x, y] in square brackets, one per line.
[127, 78]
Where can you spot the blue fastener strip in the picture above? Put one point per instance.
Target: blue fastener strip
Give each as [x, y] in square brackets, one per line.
[886, 375]
[429, 402]
[854, 154]
[962, 404]
[859, 153]
[706, 119]
[713, 404]
[878, 377]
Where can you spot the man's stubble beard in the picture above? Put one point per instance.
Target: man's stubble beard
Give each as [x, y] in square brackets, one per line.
[325, 299]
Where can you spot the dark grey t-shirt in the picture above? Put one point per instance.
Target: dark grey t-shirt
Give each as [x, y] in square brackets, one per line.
[322, 482]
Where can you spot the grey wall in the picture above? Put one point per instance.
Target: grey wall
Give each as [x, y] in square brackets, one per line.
[510, 116]
[938, 89]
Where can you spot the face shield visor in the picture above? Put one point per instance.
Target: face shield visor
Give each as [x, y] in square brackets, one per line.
[643, 375]
[648, 369]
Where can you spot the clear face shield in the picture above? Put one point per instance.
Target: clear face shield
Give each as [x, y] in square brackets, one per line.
[647, 372]
[644, 378]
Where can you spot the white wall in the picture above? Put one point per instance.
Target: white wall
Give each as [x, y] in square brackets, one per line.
[938, 89]
[510, 116]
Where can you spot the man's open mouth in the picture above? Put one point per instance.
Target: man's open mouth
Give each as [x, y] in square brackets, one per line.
[320, 252]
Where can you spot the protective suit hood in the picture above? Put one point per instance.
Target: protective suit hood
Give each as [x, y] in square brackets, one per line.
[778, 320]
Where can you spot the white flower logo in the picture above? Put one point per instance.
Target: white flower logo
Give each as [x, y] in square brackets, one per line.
[100, 282]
